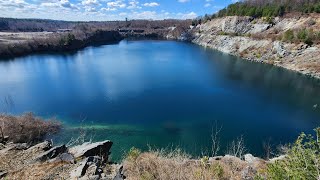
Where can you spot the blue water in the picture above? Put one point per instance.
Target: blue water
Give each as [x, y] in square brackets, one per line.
[161, 94]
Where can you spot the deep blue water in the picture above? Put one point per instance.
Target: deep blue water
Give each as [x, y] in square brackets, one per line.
[162, 94]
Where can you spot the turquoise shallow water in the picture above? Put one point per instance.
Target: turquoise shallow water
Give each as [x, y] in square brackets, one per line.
[161, 94]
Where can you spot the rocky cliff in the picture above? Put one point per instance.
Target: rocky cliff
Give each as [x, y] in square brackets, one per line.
[262, 40]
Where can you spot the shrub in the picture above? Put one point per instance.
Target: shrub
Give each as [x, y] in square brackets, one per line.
[27, 128]
[302, 34]
[288, 36]
[302, 160]
[133, 154]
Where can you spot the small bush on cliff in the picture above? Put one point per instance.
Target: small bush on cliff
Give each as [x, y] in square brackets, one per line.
[302, 160]
[288, 36]
[27, 128]
[133, 154]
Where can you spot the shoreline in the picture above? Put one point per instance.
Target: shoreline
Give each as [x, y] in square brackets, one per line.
[74, 49]
[308, 75]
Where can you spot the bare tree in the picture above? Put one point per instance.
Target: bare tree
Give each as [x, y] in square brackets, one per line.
[267, 146]
[237, 147]
[215, 147]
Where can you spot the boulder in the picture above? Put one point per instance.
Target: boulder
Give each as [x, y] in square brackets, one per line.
[277, 158]
[44, 146]
[3, 174]
[64, 157]
[249, 158]
[88, 166]
[52, 153]
[92, 149]
[20, 146]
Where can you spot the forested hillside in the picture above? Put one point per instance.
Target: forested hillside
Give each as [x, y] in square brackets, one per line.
[269, 8]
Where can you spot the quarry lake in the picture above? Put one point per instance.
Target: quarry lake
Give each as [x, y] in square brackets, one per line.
[161, 94]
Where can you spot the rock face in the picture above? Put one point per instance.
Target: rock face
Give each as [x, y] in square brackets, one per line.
[92, 149]
[89, 166]
[255, 40]
[52, 153]
[64, 157]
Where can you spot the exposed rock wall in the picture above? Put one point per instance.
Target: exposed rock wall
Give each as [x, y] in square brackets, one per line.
[256, 40]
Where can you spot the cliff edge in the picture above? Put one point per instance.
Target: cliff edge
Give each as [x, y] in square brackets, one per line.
[289, 42]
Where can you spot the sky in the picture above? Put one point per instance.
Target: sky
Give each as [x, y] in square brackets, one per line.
[104, 10]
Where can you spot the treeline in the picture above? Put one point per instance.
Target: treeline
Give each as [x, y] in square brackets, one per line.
[40, 25]
[270, 8]
[263, 8]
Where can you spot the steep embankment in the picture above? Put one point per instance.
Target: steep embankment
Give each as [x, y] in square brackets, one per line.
[277, 41]
[18, 44]
[23, 43]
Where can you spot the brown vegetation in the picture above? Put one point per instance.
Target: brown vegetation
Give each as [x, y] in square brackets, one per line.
[27, 128]
[162, 165]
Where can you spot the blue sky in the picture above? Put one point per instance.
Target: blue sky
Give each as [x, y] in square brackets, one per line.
[101, 10]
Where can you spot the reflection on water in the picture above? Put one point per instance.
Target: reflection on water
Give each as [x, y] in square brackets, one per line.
[162, 93]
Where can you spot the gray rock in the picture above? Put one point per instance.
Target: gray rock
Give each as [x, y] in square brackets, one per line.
[92, 149]
[120, 175]
[277, 158]
[93, 162]
[216, 158]
[3, 174]
[64, 157]
[52, 153]
[279, 48]
[20, 146]
[44, 146]
[249, 158]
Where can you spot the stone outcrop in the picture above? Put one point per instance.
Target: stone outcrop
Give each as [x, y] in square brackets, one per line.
[52, 153]
[255, 40]
[86, 161]
[91, 149]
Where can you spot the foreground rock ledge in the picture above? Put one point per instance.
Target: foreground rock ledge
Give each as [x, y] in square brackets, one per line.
[90, 161]
[45, 161]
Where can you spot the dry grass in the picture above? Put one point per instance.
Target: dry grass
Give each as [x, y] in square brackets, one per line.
[59, 170]
[27, 128]
[176, 165]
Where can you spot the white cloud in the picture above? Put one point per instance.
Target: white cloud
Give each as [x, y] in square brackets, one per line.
[90, 2]
[92, 10]
[190, 15]
[151, 4]
[183, 1]
[116, 4]
[207, 5]
[133, 4]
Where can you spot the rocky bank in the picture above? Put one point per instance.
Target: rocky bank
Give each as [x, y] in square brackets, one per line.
[91, 161]
[260, 40]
